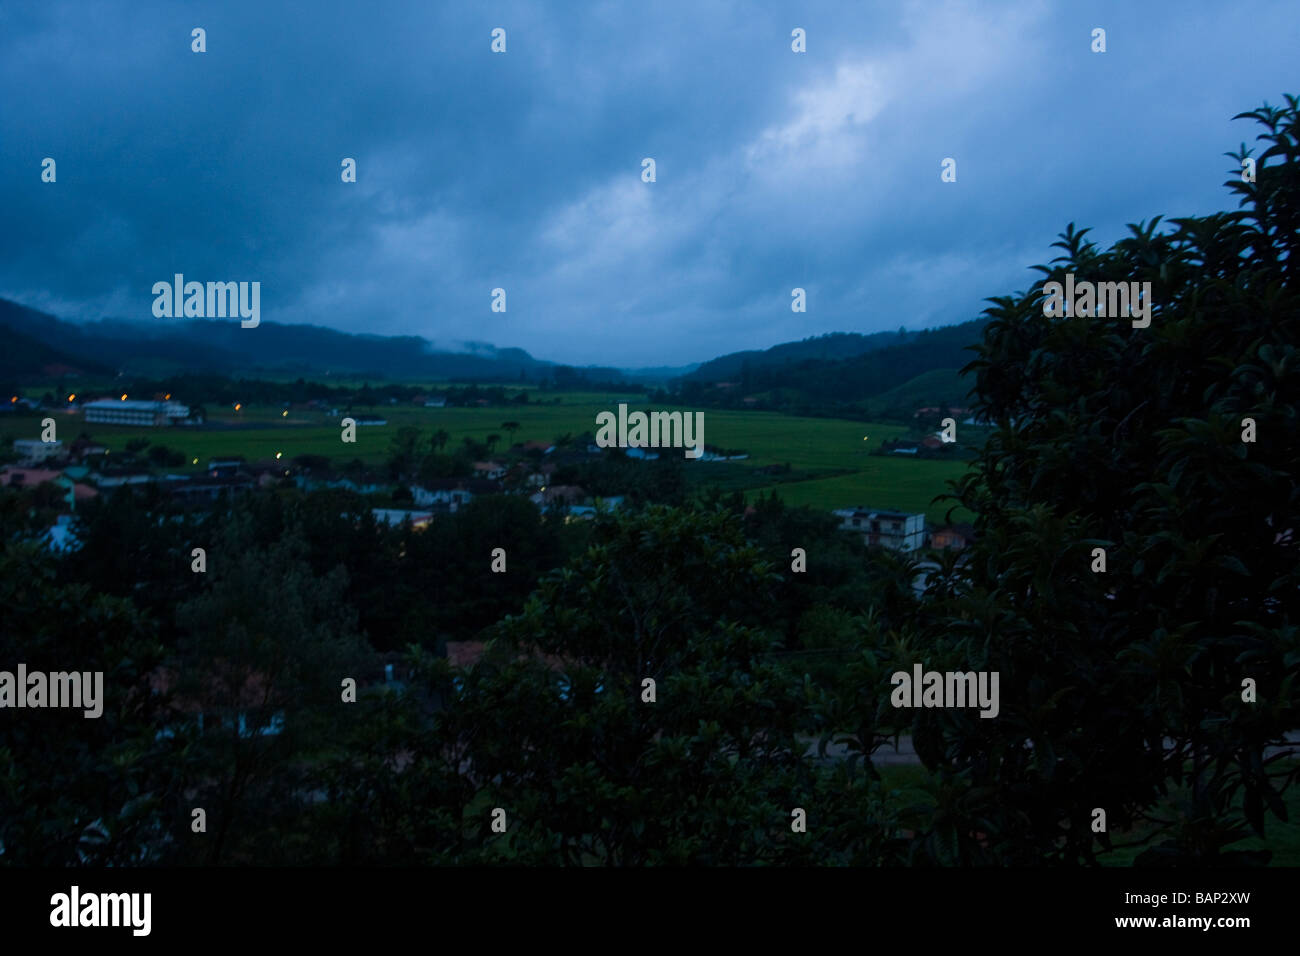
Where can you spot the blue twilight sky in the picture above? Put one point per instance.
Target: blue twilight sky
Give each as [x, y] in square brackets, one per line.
[523, 170]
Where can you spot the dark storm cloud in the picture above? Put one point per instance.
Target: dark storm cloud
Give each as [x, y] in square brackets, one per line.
[522, 171]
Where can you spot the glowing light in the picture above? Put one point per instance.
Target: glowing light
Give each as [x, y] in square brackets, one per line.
[167, 397]
[14, 400]
[124, 396]
[278, 454]
[284, 414]
[238, 406]
[72, 396]
[194, 462]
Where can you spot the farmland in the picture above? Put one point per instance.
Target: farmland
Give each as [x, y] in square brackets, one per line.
[829, 458]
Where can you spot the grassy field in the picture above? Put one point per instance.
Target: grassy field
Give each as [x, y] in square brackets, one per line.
[882, 483]
[832, 467]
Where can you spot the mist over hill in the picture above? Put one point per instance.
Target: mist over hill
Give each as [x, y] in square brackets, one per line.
[843, 366]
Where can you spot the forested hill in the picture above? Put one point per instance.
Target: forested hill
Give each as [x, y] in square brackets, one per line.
[931, 357]
[830, 347]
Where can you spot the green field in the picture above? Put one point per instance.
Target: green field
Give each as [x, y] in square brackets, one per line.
[882, 483]
[832, 467]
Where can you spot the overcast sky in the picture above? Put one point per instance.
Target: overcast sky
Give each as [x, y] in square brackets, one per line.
[522, 170]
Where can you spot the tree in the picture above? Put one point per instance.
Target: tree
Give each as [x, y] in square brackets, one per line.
[492, 442]
[75, 789]
[439, 440]
[402, 455]
[266, 645]
[1116, 685]
[136, 446]
[553, 723]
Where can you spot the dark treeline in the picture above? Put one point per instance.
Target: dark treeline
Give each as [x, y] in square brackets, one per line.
[840, 387]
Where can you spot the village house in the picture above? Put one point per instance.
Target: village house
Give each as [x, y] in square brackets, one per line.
[83, 448]
[558, 496]
[539, 478]
[33, 451]
[396, 516]
[225, 467]
[246, 710]
[594, 506]
[126, 476]
[199, 489]
[448, 495]
[956, 537]
[73, 491]
[896, 530]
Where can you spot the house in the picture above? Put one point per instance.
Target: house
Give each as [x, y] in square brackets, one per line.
[451, 494]
[558, 496]
[14, 477]
[369, 420]
[116, 479]
[435, 403]
[213, 700]
[597, 506]
[224, 467]
[11, 477]
[956, 537]
[307, 483]
[716, 454]
[896, 530]
[109, 411]
[462, 654]
[545, 447]
[206, 488]
[397, 516]
[538, 479]
[492, 470]
[83, 448]
[932, 442]
[33, 451]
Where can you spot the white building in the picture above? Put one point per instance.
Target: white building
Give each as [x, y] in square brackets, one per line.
[106, 411]
[897, 530]
[452, 498]
[33, 451]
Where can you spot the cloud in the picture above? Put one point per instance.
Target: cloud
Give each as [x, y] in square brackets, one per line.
[775, 169]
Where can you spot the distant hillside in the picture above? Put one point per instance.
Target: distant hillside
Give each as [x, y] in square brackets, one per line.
[830, 347]
[832, 385]
[939, 387]
[839, 368]
[222, 346]
[26, 357]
